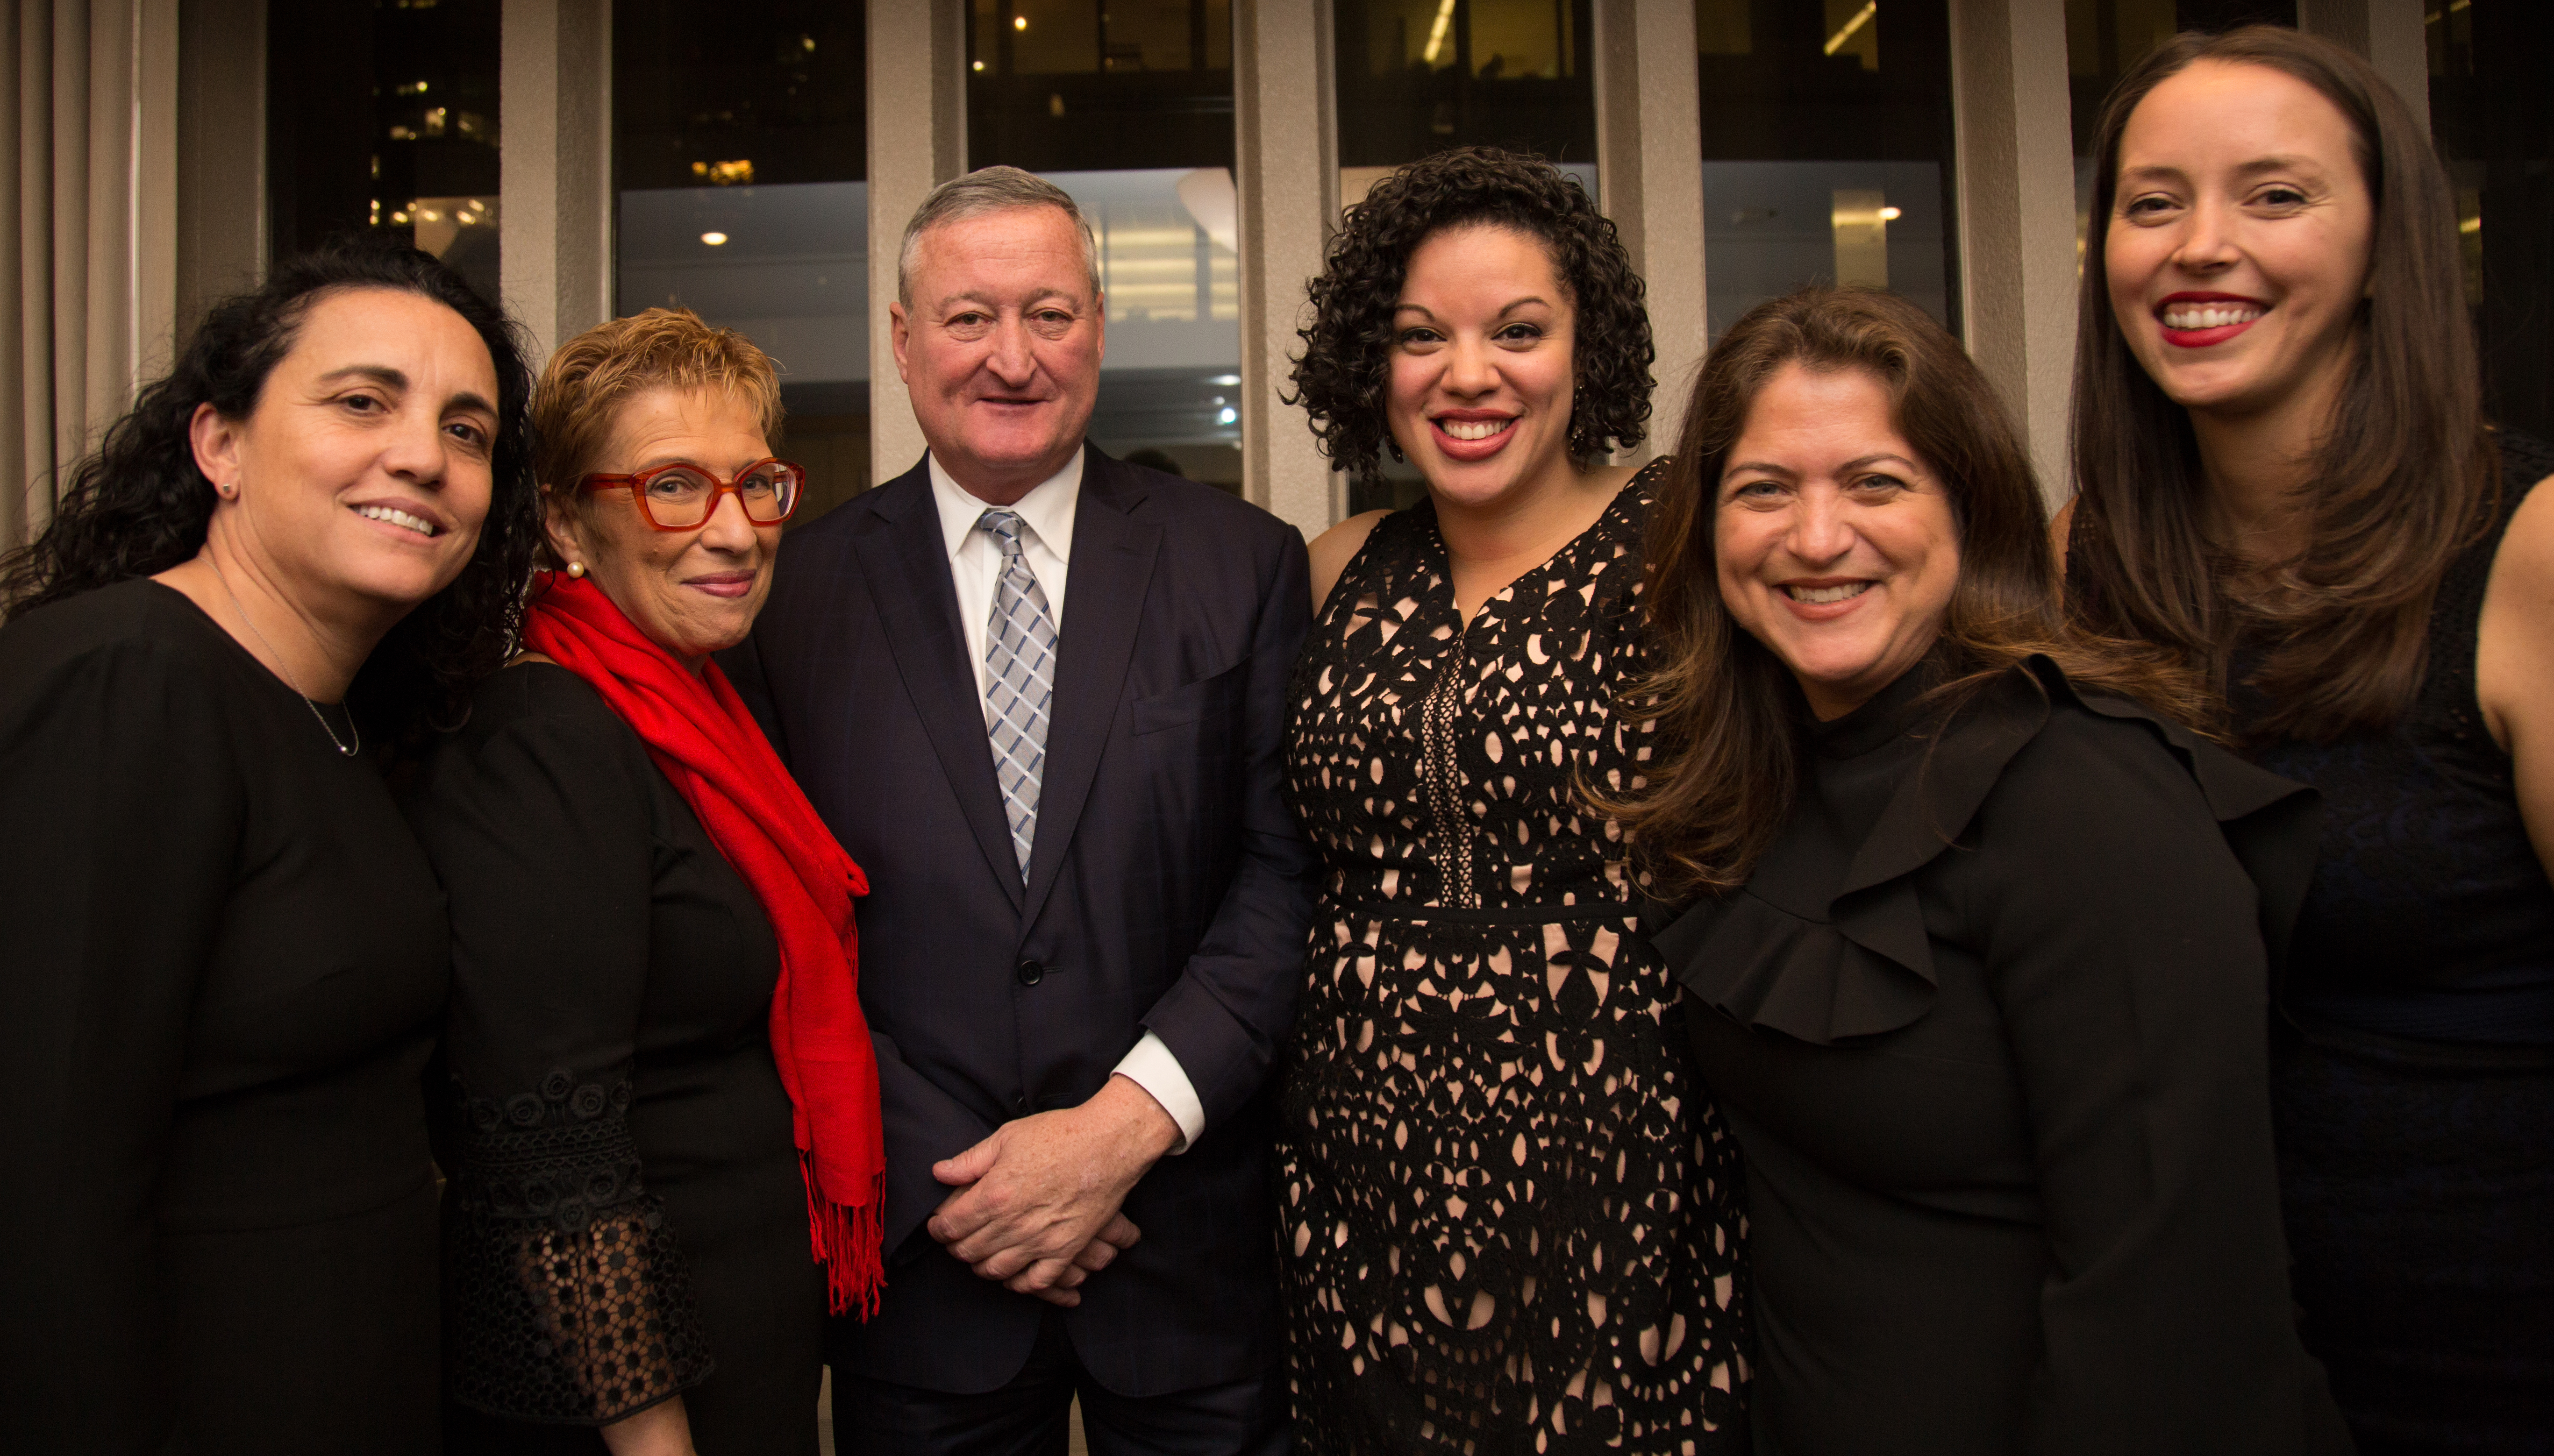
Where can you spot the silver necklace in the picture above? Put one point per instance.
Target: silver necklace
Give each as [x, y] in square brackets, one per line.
[352, 726]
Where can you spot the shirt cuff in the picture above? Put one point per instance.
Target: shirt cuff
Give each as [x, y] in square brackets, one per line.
[1152, 1066]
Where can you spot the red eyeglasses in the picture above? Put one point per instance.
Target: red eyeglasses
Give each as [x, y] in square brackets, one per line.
[680, 496]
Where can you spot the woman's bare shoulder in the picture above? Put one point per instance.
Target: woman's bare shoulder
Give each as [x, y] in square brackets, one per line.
[1334, 548]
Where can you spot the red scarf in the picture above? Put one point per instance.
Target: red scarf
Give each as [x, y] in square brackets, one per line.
[700, 735]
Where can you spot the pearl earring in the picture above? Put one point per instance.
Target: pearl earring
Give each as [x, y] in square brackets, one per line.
[575, 570]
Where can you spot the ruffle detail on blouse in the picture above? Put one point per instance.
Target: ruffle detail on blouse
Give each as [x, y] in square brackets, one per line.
[1823, 965]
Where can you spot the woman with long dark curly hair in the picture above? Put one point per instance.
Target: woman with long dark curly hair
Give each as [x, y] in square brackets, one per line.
[1509, 1210]
[228, 961]
[2287, 482]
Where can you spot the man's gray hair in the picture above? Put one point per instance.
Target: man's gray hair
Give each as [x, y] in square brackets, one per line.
[980, 193]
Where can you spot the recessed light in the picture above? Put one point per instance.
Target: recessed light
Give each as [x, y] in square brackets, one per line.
[715, 240]
[1889, 214]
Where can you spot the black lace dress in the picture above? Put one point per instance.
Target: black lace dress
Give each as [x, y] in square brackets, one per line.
[2415, 1087]
[626, 1220]
[1509, 1214]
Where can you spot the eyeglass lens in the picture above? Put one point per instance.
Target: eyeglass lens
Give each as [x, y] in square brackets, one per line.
[680, 496]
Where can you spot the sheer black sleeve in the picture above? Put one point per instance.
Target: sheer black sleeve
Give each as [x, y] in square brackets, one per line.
[121, 811]
[571, 1300]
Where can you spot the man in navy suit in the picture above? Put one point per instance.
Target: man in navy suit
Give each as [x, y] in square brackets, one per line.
[1039, 694]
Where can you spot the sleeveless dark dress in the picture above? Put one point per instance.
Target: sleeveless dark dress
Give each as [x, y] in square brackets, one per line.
[626, 1220]
[222, 977]
[2412, 1072]
[2416, 1106]
[1508, 1212]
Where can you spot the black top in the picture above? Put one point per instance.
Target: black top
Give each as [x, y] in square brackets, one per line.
[2430, 918]
[628, 1206]
[225, 965]
[1989, 1020]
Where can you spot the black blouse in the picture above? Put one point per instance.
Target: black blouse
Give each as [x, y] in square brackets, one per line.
[1990, 1021]
[224, 969]
[629, 1216]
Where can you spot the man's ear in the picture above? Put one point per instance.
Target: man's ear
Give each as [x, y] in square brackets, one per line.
[900, 332]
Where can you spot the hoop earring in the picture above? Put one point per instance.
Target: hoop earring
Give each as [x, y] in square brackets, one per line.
[575, 570]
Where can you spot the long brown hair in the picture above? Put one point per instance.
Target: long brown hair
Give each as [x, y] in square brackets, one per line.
[2404, 476]
[1728, 713]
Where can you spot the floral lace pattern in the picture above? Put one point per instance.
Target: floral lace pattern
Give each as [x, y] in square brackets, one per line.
[1510, 1217]
[572, 1304]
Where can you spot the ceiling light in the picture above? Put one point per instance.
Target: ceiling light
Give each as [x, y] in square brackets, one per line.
[1019, 22]
[715, 240]
[1889, 214]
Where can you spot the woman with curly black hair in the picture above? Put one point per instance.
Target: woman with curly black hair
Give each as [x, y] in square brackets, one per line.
[1509, 1218]
[228, 959]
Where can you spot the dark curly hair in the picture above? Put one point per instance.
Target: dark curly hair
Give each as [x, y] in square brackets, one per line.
[1348, 350]
[139, 505]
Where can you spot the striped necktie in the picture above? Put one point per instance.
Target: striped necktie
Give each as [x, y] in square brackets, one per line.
[1019, 668]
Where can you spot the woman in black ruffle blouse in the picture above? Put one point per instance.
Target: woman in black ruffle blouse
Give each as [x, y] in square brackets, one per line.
[2287, 482]
[1980, 977]
[225, 965]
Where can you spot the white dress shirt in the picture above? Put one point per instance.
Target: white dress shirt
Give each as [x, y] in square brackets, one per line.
[975, 569]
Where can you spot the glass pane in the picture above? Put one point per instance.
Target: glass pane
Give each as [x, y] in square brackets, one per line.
[741, 158]
[1417, 77]
[2494, 122]
[1827, 144]
[1129, 108]
[384, 117]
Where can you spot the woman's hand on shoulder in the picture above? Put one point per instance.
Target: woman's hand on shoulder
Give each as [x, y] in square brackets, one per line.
[2514, 661]
[1334, 548]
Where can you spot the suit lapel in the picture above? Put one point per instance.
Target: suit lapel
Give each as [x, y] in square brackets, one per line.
[1113, 568]
[905, 559]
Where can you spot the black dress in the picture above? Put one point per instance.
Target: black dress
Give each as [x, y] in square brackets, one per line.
[1989, 1021]
[2413, 1078]
[628, 1220]
[223, 971]
[1508, 1217]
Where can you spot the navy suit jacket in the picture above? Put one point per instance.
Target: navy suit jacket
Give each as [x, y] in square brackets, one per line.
[1168, 889]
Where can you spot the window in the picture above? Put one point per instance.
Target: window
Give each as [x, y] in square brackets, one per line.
[1826, 145]
[383, 117]
[1129, 108]
[739, 161]
[2494, 122]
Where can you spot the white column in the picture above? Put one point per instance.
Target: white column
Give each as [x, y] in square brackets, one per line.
[2388, 33]
[2017, 190]
[1649, 177]
[917, 140]
[555, 168]
[1288, 181]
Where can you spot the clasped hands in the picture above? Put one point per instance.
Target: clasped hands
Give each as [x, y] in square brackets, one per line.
[1037, 1204]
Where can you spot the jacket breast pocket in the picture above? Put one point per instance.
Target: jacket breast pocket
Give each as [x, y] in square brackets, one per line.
[1208, 698]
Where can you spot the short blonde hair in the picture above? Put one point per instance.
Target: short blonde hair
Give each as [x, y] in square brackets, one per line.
[580, 394]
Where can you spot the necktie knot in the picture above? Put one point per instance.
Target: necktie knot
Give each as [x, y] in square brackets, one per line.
[1004, 528]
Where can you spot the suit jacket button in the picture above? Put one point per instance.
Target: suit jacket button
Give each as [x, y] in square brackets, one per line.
[1031, 972]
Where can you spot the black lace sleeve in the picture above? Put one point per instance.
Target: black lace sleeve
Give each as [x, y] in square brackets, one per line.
[571, 1303]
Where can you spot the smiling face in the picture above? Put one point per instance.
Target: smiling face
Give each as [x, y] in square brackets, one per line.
[1837, 548]
[1482, 354]
[695, 591]
[999, 348]
[2237, 250]
[358, 483]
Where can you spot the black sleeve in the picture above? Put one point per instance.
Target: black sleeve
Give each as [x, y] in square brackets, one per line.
[1229, 1011]
[2121, 935]
[571, 1303]
[121, 810]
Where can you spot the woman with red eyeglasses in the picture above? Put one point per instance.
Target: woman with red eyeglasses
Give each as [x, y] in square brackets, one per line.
[664, 1141]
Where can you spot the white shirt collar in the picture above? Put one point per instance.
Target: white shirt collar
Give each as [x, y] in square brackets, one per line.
[1047, 509]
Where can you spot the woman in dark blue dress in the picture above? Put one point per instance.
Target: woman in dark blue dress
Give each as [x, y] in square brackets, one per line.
[2288, 484]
